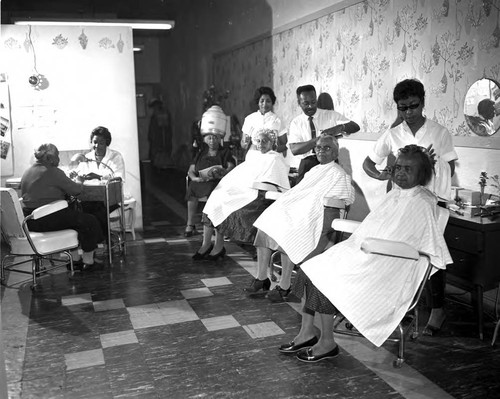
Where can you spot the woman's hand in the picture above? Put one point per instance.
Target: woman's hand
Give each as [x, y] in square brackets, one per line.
[91, 176]
[385, 174]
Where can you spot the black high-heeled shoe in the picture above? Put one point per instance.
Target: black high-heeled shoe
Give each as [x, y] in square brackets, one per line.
[258, 285]
[204, 255]
[218, 255]
[191, 232]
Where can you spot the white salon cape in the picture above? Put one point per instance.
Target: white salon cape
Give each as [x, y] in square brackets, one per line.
[234, 191]
[374, 291]
[295, 219]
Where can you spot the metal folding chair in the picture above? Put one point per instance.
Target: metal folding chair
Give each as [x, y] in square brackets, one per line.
[37, 246]
[408, 327]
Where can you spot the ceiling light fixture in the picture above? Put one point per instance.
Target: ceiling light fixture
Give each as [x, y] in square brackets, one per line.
[134, 24]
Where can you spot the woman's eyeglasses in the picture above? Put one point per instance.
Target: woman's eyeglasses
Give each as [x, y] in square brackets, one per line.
[404, 108]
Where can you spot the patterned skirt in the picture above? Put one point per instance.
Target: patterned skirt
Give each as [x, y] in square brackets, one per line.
[315, 300]
[238, 226]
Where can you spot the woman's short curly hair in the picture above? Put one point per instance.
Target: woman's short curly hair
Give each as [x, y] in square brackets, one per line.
[269, 134]
[47, 154]
[103, 132]
[264, 90]
[426, 163]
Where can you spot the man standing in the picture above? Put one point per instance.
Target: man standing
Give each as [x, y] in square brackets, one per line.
[313, 122]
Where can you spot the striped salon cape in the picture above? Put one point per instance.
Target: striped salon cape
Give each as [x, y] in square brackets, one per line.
[295, 220]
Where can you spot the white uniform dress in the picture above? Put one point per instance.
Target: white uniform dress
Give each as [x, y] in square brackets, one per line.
[373, 291]
[112, 165]
[295, 219]
[430, 133]
[235, 190]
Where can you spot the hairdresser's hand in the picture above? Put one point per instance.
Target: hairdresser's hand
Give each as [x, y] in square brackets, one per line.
[385, 174]
[431, 153]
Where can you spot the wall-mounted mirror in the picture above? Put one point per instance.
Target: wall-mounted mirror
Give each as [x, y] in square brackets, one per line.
[482, 108]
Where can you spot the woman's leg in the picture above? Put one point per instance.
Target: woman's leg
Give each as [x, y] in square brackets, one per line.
[263, 259]
[219, 243]
[307, 328]
[326, 341]
[192, 206]
[436, 286]
[286, 271]
[207, 239]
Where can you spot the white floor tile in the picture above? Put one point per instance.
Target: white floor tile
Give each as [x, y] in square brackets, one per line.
[220, 323]
[118, 338]
[262, 330]
[79, 360]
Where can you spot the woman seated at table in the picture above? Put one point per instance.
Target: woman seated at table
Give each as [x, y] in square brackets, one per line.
[44, 183]
[372, 291]
[209, 165]
[234, 205]
[100, 164]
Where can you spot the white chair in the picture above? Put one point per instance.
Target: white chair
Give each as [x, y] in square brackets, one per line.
[36, 246]
[129, 205]
[397, 249]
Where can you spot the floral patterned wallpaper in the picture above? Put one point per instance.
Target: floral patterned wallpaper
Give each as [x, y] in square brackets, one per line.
[359, 53]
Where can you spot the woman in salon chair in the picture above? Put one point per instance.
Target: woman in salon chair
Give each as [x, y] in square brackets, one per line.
[412, 127]
[44, 183]
[235, 203]
[372, 291]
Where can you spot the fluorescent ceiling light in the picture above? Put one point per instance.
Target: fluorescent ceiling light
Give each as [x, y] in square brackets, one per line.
[134, 24]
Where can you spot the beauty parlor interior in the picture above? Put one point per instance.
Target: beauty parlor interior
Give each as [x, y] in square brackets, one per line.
[149, 318]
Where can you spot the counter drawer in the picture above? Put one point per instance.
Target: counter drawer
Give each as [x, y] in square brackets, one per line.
[464, 265]
[463, 239]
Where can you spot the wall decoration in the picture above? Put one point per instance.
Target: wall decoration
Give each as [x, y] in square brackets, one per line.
[359, 53]
[11, 43]
[106, 43]
[83, 39]
[120, 44]
[60, 42]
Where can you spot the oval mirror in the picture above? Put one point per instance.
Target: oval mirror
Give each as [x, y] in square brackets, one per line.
[482, 107]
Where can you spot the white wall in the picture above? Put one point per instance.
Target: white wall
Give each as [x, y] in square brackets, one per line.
[87, 87]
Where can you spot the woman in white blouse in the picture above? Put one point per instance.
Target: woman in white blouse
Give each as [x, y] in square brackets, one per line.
[264, 118]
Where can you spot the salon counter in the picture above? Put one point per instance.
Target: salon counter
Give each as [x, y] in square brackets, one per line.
[474, 244]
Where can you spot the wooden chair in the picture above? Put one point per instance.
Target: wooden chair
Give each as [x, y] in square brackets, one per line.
[37, 246]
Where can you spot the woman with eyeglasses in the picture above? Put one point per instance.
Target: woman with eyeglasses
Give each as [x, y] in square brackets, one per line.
[412, 127]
